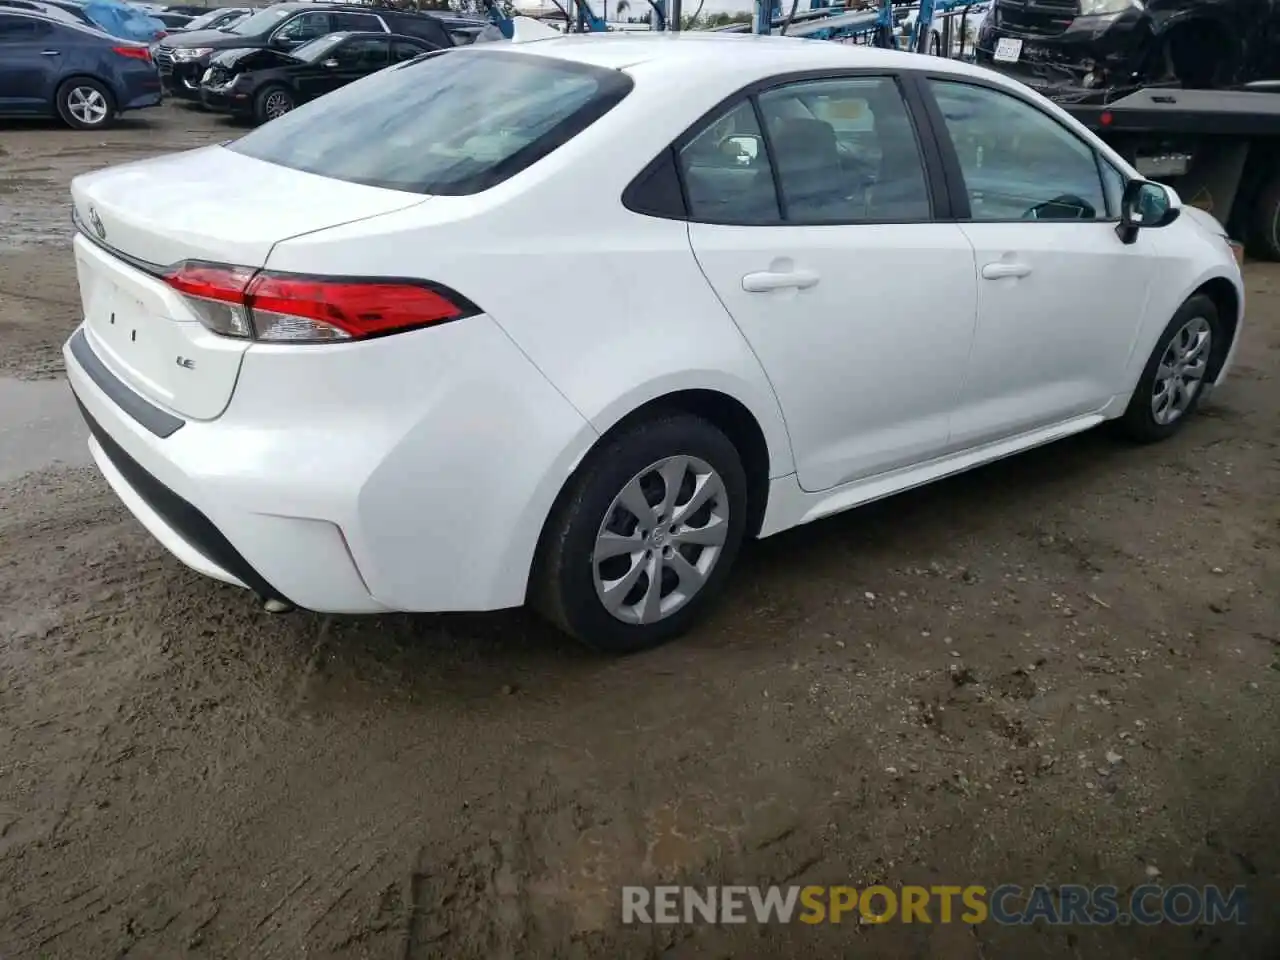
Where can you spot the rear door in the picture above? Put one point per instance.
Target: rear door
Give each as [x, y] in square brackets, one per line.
[859, 303]
[30, 64]
[1060, 297]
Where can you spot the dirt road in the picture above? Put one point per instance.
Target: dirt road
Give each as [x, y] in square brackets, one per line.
[1064, 668]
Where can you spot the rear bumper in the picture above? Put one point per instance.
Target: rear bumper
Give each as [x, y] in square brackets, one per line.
[417, 479]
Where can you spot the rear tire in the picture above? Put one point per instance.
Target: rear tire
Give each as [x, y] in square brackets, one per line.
[621, 579]
[1173, 381]
[85, 104]
[1265, 240]
[272, 102]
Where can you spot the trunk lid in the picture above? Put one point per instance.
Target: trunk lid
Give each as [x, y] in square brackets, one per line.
[210, 204]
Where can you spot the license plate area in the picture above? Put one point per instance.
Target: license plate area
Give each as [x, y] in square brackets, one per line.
[1008, 50]
[130, 338]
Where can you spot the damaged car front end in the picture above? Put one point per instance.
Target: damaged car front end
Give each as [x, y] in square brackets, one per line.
[1088, 50]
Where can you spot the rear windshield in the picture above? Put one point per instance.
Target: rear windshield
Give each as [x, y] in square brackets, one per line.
[454, 122]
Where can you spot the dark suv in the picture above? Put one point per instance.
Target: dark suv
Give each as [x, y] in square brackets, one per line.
[183, 57]
[1086, 47]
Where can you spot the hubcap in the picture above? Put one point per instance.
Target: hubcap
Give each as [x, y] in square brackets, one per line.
[87, 105]
[1181, 371]
[278, 105]
[660, 539]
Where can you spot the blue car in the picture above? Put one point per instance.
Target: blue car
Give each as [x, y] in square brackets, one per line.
[57, 68]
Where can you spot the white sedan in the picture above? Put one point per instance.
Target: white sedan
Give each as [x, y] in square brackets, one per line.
[567, 321]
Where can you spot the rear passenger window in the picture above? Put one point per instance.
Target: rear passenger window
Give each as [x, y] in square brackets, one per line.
[846, 152]
[356, 22]
[726, 171]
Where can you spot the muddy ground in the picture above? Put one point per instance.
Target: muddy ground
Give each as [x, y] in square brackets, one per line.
[1062, 668]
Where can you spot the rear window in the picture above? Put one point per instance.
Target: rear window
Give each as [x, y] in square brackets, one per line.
[453, 123]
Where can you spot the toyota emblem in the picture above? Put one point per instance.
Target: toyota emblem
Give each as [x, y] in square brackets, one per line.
[96, 220]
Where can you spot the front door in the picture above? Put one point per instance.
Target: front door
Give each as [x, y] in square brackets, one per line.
[1060, 297]
[859, 306]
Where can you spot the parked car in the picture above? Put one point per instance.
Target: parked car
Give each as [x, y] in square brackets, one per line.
[1069, 46]
[336, 373]
[172, 21]
[219, 19]
[265, 84]
[69, 13]
[127, 23]
[57, 68]
[184, 57]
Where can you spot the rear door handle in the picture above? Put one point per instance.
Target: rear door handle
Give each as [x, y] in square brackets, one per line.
[1001, 269]
[50, 53]
[765, 280]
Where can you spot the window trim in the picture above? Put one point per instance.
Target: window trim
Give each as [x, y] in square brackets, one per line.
[931, 159]
[951, 159]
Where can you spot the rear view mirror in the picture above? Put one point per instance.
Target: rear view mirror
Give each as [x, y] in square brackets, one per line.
[1145, 205]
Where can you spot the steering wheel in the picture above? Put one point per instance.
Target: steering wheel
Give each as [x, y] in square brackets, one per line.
[1066, 206]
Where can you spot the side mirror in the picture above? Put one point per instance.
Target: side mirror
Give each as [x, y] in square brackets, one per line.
[330, 64]
[745, 147]
[1145, 205]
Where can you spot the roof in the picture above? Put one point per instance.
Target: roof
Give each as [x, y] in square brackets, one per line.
[691, 54]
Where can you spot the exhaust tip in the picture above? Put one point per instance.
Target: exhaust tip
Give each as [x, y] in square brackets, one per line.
[272, 605]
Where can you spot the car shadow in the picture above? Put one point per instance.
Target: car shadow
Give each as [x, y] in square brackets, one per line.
[431, 656]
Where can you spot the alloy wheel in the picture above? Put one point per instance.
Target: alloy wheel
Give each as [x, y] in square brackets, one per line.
[87, 105]
[1181, 371]
[660, 539]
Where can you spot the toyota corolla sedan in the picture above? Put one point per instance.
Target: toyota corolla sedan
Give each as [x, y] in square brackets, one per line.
[566, 322]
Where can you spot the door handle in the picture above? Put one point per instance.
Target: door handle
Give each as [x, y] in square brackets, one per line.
[50, 53]
[1001, 269]
[766, 280]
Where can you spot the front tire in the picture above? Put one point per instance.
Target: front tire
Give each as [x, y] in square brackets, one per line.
[1174, 378]
[85, 104]
[272, 102]
[643, 539]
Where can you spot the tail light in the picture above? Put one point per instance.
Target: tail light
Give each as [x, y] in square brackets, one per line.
[295, 308]
[133, 53]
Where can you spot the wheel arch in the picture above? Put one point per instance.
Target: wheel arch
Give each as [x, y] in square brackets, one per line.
[728, 413]
[103, 82]
[1226, 297]
[731, 417]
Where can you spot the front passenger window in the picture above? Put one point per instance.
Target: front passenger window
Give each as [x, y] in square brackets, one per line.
[1018, 162]
[726, 171]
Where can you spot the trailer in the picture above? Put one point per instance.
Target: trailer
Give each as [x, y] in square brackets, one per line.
[1219, 149]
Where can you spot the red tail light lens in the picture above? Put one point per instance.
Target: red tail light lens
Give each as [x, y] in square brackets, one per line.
[133, 53]
[283, 307]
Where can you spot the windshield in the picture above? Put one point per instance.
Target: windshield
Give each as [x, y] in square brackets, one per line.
[260, 22]
[313, 50]
[221, 17]
[454, 122]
